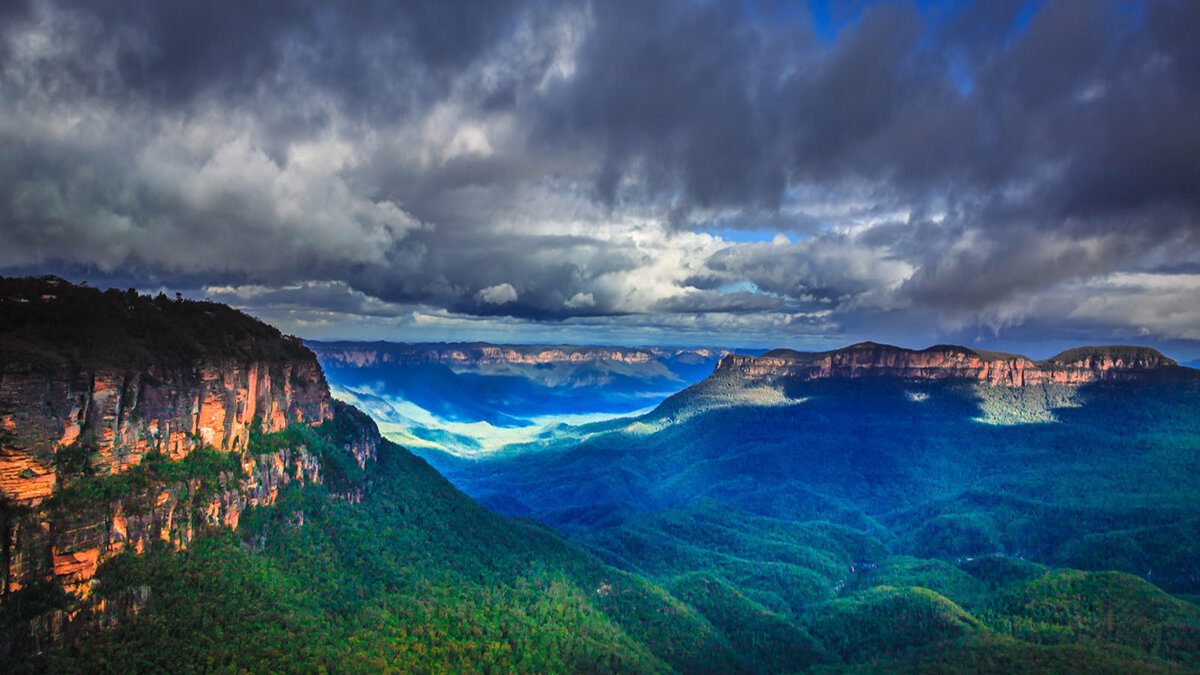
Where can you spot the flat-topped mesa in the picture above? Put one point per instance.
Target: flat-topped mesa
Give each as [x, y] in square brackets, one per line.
[945, 362]
[1111, 358]
[532, 355]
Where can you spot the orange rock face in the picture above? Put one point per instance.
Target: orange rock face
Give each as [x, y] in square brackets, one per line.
[87, 396]
[1081, 366]
[23, 479]
[77, 567]
[76, 544]
[123, 416]
[127, 415]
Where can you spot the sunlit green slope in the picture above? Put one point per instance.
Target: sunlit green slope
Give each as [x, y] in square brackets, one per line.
[415, 577]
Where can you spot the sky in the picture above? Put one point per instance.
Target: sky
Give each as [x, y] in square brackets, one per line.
[1017, 174]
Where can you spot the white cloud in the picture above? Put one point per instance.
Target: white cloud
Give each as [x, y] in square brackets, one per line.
[580, 301]
[500, 294]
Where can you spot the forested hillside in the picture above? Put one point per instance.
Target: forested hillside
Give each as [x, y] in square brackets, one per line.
[821, 495]
[219, 512]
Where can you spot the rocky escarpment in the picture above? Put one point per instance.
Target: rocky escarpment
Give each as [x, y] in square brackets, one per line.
[1034, 388]
[373, 354]
[128, 422]
[120, 415]
[944, 362]
[66, 538]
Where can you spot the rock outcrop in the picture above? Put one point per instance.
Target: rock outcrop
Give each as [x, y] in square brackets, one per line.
[373, 354]
[123, 415]
[66, 542]
[357, 433]
[127, 422]
[944, 362]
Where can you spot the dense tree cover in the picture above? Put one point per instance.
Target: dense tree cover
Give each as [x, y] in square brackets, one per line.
[917, 507]
[888, 621]
[415, 578]
[418, 578]
[49, 323]
[329, 442]
[202, 471]
[774, 643]
[1065, 607]
[948, 473]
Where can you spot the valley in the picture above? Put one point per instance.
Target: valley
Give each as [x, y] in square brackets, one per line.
[934, 454]
[685, 337]
[473, 399]
[189, 490]
[792, 480]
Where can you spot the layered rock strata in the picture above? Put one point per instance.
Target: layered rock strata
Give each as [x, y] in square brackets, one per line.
[124, 415]
[1077, 366]
[126, 422]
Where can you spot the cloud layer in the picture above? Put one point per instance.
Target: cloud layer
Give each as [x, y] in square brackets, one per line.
[720, 172]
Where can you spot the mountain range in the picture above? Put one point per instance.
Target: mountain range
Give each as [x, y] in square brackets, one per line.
[905, 443]
[793, 477]
[181, 490]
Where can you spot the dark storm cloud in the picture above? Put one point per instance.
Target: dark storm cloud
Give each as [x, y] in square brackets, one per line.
[830, 269]
[551, 160]
[330, 297]
[541, 273]
[727, 112]
[174, 51]
[672, 91]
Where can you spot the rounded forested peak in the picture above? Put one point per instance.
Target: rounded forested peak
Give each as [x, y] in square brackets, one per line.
[959, 350]
[1112, 356]
[956, 349]
[872, 346]
[786, 354]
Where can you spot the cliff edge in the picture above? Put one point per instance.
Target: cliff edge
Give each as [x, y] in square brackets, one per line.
[129, 421]
[1082, 365]
[772, 379]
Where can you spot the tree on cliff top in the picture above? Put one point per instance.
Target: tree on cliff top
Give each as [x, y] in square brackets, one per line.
[47, 323]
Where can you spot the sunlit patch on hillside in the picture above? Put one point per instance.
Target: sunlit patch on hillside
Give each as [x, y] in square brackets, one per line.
[762, 397]
[1034, 404]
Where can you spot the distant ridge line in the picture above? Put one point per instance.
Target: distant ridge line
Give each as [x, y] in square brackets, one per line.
[1073, 366]
[1094, 351]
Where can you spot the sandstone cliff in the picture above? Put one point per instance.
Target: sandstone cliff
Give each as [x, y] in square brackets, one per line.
[1029, 390]
[105, 448]
[944, 362]
[122, 415]
[372, 354]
